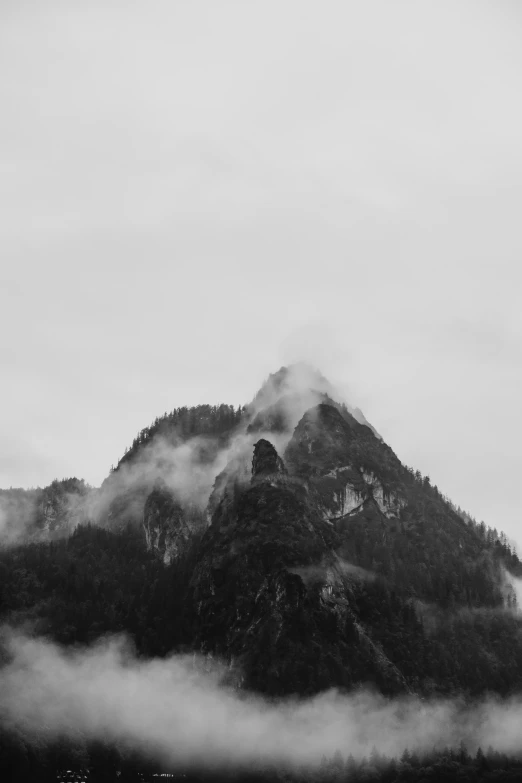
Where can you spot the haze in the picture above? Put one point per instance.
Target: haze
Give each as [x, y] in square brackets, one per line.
[192, 194]
[178, 710]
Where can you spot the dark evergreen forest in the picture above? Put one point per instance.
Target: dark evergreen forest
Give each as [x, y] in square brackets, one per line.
[431, 601]
[99, 582]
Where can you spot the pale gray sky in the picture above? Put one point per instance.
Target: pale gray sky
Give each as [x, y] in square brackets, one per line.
[195, 192]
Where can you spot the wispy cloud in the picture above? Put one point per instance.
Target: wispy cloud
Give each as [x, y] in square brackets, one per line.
[179, 710]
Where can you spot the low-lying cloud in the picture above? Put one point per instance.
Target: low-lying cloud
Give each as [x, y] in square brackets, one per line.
[180, 711]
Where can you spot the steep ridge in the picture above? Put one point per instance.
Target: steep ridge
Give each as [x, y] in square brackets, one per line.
[386, 517]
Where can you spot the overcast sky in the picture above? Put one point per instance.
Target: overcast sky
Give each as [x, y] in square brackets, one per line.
[194, 192]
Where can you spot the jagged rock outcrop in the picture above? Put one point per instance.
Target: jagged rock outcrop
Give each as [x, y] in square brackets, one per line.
[266, 461]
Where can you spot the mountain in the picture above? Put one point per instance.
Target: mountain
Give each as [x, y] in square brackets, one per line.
[285, 537]
[186, 449]
[286, 540]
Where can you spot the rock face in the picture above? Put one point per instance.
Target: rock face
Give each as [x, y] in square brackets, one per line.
[266, 461]
[169, 528]
[347, 464]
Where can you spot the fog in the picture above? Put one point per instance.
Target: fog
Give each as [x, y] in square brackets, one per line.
[180, 711]
[188, 468]
[513, 588]
[41, 514]
[17, 509]
[183, 709]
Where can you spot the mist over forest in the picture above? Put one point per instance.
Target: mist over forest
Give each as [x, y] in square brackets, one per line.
[262, 590]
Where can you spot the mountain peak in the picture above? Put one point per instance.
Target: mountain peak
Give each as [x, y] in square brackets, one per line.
[288, 393]
[299, 378]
